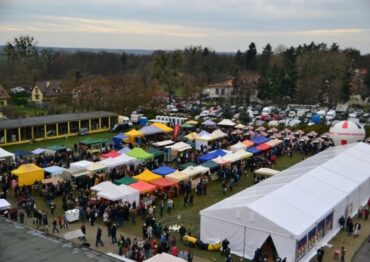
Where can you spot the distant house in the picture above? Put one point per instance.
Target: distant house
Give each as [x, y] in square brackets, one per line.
[221, 89]
[93, 91]
[20, 88]
[4, 96]
[46, 90]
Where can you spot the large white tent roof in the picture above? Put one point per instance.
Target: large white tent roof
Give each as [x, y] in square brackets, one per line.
[306, 191]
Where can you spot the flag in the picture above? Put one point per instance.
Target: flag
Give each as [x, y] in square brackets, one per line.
[176, 131]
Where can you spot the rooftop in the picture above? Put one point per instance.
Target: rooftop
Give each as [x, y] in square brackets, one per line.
[52, 119]
[20, 243]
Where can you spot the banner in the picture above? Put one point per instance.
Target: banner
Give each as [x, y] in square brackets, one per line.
[176, 131]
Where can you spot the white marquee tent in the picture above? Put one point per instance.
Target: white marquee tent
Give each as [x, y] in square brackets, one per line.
[81, 164]
[299, 207]
[226, 122]
[103, 186]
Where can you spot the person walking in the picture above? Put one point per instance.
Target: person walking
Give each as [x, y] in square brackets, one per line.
[113, 233]
[342, 254]
[357, 230]
[320, 254]
[55, 223]
[83, 230]
[98, 237]
[65, 222]
[182, 232]
[161, 207]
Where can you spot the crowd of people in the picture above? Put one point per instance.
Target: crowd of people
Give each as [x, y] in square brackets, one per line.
[156, 238]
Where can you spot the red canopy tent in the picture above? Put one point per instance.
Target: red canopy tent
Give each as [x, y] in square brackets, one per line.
[143, 187]
[263, 147]
[164, 182]
[111, 154]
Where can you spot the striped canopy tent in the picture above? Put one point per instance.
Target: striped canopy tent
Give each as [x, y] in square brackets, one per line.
[147, 176]
[132, 135]
[163, 127]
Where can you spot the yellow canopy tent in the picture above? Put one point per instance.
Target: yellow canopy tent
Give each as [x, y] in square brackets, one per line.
[192, 136]
[164, 127]
[133, 134]
[147, 176]
[28, 174]
[192, 122]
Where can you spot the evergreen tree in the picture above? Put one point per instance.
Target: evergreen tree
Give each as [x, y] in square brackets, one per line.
[227, 111]
[346, 86]
[250, 58]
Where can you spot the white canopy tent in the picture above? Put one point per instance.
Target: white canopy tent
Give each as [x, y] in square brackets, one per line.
[237, 147]
[122, 192]
[81, 164]
[179, 147]
[4, 204]
[226, 122]
[6, 155]
[103, 186]
[163, 143]
[299, 207]
[264, 171]
[121, 160]
[164, 257]
[217, 134]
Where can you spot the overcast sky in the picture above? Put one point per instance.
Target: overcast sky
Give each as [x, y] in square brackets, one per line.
[225, 25]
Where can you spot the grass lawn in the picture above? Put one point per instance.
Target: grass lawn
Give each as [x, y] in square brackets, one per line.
[67, 141]
[189, 216]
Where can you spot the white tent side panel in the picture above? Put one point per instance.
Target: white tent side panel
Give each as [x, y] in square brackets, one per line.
[285, 247]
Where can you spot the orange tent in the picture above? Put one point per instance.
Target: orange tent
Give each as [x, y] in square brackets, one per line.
[164, 182]
[143, 187]
[248, 143]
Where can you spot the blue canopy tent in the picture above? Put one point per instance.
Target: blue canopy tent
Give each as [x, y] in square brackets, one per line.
[54, 170]
[150, 130]
[117, 140]
[253, 150]
[209, 122]
[22, 153]
[315, 119]
[257, 140]
[211, 155]
[204, 133]
[124, 150]
[163, 170]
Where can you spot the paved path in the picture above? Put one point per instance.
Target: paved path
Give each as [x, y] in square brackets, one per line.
[91, 236]
[363, 254]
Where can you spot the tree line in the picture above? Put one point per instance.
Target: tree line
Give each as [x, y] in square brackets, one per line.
[308, 73]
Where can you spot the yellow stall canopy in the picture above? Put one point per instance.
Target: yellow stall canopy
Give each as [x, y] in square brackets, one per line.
[147, 176]
[133, 134]
[164, 127]
[28, 174]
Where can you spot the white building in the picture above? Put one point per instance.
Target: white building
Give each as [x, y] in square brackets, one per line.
[222, 89]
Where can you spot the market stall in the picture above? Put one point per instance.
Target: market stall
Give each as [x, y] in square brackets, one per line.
[237, 146]
[81, 164]
[106, 185]
[6, 156]
[126, 180]
[28, 174]
[140, 154]
[120, 193]
[54, 171]
[147, 176]
[97, 167]
[164, 183]
[163, 127]
[143, 187]
[164, 170]
[226, 122]
[132, 135]
[212, 155]
[111, 154]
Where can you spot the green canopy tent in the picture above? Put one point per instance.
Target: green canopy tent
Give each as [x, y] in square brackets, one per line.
[213, 166]
[157, 154]
[186, 126]
[57, 148]
[93, 141]
[140, 154]
[127, 180]
[183, 166]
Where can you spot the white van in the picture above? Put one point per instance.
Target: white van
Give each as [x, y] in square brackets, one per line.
[330, 115]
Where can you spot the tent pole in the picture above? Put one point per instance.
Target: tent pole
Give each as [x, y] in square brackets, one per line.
[245, 228]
